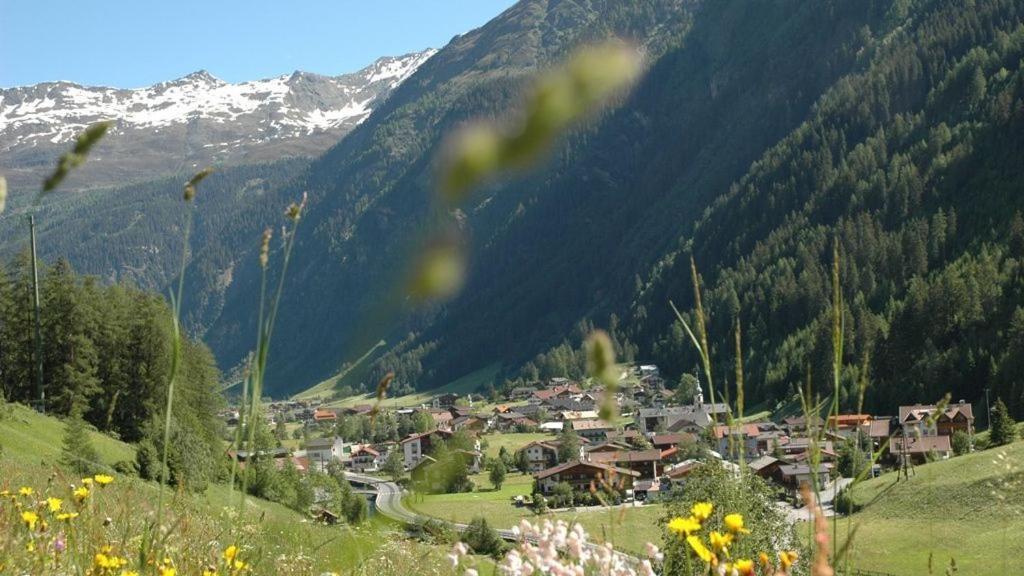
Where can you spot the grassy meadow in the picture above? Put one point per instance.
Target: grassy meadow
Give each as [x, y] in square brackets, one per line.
[969, 508]
[274, 539]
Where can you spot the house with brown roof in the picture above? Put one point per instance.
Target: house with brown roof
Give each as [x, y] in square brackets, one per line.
[582, 475]
[923, 419]
[793, 476]
[364, 459]
[646, 463]
[919, 449]
[592, 429]
[470, 423]
[561, 390]
[730, 442]
[416, 446]
[541, 455]
[512, 421]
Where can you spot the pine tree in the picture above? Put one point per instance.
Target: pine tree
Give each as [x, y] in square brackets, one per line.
[77, 452]
[1003, 429]
[498, 471]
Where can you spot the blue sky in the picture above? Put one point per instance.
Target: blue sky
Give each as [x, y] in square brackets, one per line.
[132, 43]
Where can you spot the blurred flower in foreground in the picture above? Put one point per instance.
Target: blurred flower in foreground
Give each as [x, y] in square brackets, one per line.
[560, 97]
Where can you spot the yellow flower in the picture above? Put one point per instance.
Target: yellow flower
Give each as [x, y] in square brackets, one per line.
[209, 572]
[702, 511]
[25, 491]
[734, 523]
[763, 559]
[107, 561]
[30, 519]
[81, 493]
[230, 553]
[67, 515]
[786, 559]
[699, 549]
[87, 481]
[54, 503]
[168, 571]
[686, 526]
[720, 542]
[103, 479]
[129, 573]
[744, 567]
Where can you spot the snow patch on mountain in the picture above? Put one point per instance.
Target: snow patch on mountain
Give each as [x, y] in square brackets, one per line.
[282, 107]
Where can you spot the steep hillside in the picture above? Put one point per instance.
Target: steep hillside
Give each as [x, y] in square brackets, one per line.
[967, 508]
[893, 125]
[371, 193]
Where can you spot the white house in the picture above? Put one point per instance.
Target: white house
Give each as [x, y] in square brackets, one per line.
[323, 451]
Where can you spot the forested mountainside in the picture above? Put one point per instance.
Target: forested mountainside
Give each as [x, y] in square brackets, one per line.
[370, 194]
[769, 131]
[758, 135]
[133, 233]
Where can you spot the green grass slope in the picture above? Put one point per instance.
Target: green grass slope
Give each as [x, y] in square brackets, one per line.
[969, 508]
[26, 435]
[31, 448]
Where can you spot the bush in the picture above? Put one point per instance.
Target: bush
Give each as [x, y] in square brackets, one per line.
[748, 495]
[844, 502]
[561, 495]
[961, 443]
[482, 539]
[540, 503]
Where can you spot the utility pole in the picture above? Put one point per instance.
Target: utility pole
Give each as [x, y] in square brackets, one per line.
[35, 308]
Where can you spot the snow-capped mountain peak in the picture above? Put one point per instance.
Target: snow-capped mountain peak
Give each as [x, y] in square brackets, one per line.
[198, 116]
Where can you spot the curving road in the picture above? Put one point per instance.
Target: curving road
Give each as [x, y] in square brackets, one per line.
[389, 503]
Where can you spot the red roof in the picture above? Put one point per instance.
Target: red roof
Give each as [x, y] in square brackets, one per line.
[324, 415]
[750, 430]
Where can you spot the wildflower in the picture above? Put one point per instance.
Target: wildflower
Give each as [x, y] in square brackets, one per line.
[702, 511]
[744, 567]
[230, 552]
[59, 544]
[87, 481]
[734, 523]
[685, 526]
[720, 542]
[764, 561]
[168, 571]
[209, 572]
[81, 493]
[30, 519]
[231, 557]
[129, 573]
[64, 516]
[103, 479]
[25, 491]
[54, 503]
[104, 560]
[786, 559]
[699, 549]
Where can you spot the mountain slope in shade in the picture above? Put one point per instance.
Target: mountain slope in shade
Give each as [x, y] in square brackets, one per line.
[195, 120]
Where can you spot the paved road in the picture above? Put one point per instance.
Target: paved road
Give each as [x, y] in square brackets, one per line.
[389, 503]
[828, 496]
